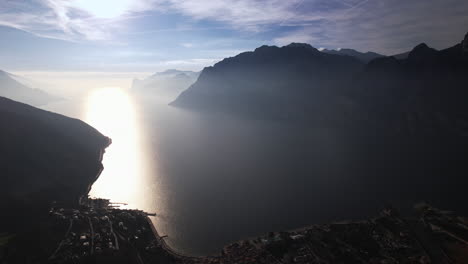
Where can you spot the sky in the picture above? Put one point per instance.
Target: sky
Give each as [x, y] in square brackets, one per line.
[136, 36]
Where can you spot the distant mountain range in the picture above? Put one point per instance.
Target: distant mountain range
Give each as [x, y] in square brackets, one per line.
[11, 88]
[168, 84]
[364, 57]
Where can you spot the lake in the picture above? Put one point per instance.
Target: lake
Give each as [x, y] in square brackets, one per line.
[214, 179]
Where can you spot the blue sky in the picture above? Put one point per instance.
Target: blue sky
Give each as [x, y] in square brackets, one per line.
[149, 36]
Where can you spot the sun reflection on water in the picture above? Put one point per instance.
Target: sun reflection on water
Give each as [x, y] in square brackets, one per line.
[111, 111]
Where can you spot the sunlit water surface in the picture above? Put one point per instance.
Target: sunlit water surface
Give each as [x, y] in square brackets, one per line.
[111, 111]
[129, 176]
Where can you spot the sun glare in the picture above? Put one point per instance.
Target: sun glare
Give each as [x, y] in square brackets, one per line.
[111, 111]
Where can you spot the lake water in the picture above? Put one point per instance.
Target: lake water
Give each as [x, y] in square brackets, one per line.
[214, 179]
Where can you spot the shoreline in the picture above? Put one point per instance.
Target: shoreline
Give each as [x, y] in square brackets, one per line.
[98, 231]
[161, 241]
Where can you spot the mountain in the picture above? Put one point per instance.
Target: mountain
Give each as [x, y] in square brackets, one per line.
[45, 157]
[465, 44]
[301, 83]
[401, 56]
[397, 118]
[13, 89]
[168, 84]
[425, 92]
[364, 57]
[294, 80]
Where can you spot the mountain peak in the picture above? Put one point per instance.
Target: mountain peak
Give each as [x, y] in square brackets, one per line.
[347, 50]
[171, 71]
[421, 46]
[299, 45]
[421, 51]
[305, 46]
[265, 48]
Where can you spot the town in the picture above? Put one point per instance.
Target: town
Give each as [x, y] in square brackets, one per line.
[99, 231]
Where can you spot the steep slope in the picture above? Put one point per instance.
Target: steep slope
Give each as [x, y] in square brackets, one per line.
[45, 157]
[427, 88]
[11, 88]
[404, 118]
[291, 81]
[168, 84]
[364, 57]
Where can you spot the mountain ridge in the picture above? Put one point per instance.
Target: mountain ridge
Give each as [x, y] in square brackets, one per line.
[252, 81]
[362, 56]
[269, 74]
[15, 90]
[167, 84]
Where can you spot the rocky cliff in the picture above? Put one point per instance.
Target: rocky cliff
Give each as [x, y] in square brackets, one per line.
[45, 157]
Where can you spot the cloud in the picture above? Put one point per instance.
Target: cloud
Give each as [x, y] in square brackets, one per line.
[97, 19]
[239, 13]
[387, 26]
[72, 20]
[255, 15]
[187, 45]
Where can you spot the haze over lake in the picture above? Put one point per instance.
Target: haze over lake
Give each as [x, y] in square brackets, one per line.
[214, 179]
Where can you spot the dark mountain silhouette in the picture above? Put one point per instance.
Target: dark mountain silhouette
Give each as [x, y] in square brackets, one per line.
[45, 157]
[297, 82]
[404, 118]
[465, 44]
[293, 80]
[425, 91]
[168, 84]
[401, 56]
[364, 57]
[11, 88]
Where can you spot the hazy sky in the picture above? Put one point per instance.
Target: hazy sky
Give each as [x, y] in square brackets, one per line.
[149, 36]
